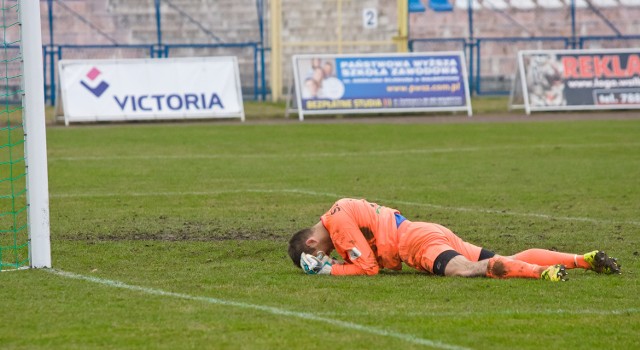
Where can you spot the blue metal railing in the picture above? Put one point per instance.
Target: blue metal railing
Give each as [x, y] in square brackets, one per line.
[607, 38]
[53, 52]
[470, 45]
[472, 49]
[258, 79]
[461, 43]
[478, 86]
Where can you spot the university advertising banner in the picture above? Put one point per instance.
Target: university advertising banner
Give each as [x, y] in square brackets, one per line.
[149, 89]
[580, 79]
[341, 84]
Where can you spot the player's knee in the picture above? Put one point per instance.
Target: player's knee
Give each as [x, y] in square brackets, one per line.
[460, 266]
[461, 270]
[443, 266]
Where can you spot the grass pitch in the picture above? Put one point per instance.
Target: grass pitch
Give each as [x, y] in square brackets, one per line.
[174, 236]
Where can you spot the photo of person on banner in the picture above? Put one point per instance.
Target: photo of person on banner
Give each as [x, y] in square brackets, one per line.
[545, 82]
[320, 80]
[310, 89]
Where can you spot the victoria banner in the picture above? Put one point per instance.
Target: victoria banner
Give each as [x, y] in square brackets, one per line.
[380, 83]
[579, 79]
[150, 89]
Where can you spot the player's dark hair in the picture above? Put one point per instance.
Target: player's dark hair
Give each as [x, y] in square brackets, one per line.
[298, 245]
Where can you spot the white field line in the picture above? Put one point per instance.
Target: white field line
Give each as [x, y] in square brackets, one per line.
[306, 316]
[337, 196]
[15, 269]
[337, 154]
[494, 313]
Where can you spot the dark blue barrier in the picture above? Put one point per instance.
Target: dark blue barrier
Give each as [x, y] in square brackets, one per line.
[445, 44]
[563, 41]
[256, 73]
[58, 52]
[155, 48]
[610, 41]
[257, 60]
[474, 59]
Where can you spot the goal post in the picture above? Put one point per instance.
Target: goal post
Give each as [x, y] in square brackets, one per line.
[24, 189]
[35, 135]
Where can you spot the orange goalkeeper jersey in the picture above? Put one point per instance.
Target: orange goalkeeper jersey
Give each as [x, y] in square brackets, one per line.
[365, 234]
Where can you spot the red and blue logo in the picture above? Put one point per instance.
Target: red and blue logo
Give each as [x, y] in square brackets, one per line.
[99, 86]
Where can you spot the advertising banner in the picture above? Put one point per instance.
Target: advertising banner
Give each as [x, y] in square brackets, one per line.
[580, 79]
[332, 84]
[149, 89]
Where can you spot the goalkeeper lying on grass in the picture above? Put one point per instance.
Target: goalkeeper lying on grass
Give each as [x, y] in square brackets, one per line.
[370, 237]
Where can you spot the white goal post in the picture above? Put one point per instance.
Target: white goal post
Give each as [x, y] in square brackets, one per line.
[35, 135]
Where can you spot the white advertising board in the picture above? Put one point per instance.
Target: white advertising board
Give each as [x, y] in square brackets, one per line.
[150, 89]
[554, 80]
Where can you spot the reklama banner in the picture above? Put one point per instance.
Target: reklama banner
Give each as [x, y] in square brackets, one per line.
[328, 84]
[148, 89]
[580, 79]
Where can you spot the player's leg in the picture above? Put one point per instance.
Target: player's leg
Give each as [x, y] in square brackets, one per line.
[502, 267]
[550, 257]
[431, 247]
[481, 262]
[596, 260]
[456, 264]
[419, 245]
[434, 248]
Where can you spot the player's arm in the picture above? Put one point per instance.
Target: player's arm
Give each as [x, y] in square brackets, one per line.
[359, 259]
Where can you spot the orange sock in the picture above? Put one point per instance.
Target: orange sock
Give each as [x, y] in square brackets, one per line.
[501, 267]
[548, 257]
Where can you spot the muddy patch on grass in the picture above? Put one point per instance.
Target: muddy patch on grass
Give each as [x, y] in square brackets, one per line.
[189, 232]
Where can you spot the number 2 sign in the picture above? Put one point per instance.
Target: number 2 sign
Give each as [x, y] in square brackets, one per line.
[370, 18]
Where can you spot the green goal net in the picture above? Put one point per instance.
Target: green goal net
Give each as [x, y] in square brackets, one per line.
[22, 109]
[14, 238]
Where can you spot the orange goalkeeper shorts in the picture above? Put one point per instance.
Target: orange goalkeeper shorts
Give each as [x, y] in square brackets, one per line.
[420, 243]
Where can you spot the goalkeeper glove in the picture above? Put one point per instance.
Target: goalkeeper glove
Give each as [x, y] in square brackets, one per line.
[316, 265]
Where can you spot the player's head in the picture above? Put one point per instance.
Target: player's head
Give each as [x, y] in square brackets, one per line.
[298, 245]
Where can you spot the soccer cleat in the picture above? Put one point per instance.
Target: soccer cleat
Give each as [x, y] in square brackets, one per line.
[554, 273]
[600, 262]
